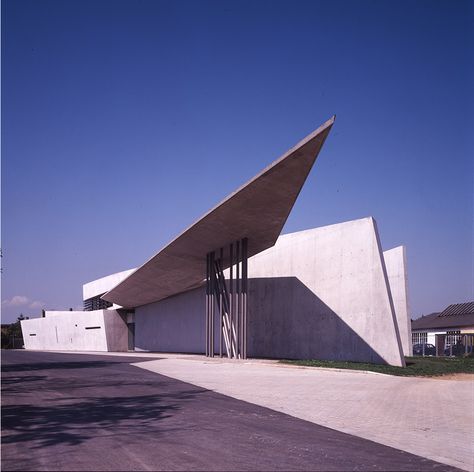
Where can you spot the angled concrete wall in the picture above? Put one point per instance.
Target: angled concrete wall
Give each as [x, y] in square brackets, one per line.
[323, 293]
[76, 331]
[104, 284]
[395, 263]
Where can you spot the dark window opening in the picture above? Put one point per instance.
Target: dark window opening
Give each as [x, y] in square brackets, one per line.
[96, 303]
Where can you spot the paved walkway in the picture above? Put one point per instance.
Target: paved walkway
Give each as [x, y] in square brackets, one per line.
[66, 412]
[432, 418]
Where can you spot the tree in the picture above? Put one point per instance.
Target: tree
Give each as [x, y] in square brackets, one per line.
[12, 337]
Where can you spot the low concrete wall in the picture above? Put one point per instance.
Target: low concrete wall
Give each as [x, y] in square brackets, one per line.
[74, 331]
[176, 324]
[395, 263]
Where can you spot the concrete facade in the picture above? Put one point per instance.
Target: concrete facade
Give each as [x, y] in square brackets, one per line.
[175, 324]
[321, 293]
[100, 330]
[396, 265]
[325, 293]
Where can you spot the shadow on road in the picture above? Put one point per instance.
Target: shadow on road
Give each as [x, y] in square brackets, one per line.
[76, 422]
[48, 403]
[55, 365]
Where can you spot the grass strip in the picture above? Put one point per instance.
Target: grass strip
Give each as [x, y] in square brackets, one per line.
[416, 366]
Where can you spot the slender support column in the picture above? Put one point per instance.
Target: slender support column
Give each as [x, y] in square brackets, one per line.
[237, 300]
[208, 292]
[244, 296]
[227, 301]
[211, 322]
[231, 299]
[221, 307]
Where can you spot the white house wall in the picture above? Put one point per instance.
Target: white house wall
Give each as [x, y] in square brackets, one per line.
[75, 331]
[395, 263]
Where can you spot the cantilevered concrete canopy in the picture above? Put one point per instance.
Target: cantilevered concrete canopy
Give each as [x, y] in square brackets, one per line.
[257, 211]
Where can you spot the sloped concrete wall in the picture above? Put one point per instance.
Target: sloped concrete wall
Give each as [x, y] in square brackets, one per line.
[70, 331]
[323, 293]
[395, 263]
[176, 324]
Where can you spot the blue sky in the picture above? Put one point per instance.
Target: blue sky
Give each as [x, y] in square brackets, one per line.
[124, 121]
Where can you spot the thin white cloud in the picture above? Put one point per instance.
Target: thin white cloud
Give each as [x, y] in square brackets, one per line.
[36, 304]
[17, 300]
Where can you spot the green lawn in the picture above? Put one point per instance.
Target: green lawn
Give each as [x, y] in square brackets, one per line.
[416, 366]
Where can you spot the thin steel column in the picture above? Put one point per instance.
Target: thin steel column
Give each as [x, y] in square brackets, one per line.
[231, 299]
[221, 308]
[244, 300]
[207, 303]
[213, 304]
[237, 300]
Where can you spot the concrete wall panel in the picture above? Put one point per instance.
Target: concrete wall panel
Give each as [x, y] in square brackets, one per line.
[395, 263]
[67, 331]
[116, 331]
[104, 284]
[176, 324]
[323, 293]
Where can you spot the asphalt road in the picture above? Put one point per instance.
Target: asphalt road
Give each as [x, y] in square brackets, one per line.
[85, 412]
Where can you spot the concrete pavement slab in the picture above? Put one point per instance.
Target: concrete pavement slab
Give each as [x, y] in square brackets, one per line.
[432, 418]
[90, 412]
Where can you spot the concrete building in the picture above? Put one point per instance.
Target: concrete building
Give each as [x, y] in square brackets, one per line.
[231, 285]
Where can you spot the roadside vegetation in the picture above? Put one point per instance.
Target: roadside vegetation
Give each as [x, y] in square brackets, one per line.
[416, 366]
[12, 337]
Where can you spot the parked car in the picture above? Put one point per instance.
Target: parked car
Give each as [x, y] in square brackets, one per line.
[424, 349]
[458, 349]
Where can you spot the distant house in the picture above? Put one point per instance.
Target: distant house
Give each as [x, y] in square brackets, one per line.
[449, 326]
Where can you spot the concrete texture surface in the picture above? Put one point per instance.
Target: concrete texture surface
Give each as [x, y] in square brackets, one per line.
[176, 324]
[323, 294]
[116, 331]
[89, 412]
[258, 211]
[99, 330]
[104, 284]
[396, 266]
[432, 418]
